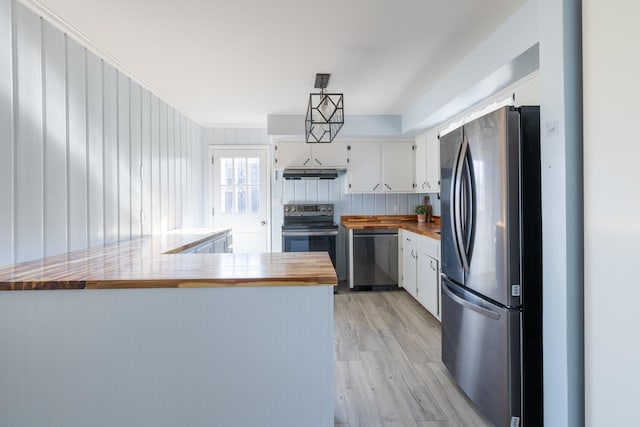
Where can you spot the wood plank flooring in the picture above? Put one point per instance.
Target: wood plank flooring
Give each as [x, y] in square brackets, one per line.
[387, 365]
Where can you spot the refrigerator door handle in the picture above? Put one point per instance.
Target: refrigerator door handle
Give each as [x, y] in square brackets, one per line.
[453, 213]
[478, 309]
[459, 209]
[469, 201]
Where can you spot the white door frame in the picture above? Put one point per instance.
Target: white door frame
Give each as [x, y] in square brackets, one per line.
[208, 164]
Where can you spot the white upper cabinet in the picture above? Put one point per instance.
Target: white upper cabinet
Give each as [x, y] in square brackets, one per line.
[433, 163]
[381, 167]
[329, 155]
[421, 163]
[397, 166]
[300, 154]
[364, 167]
[428, 162]
[288, 153]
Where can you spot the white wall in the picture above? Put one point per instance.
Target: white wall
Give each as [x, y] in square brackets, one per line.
[75, 133]
[611, 226]
[562, 211]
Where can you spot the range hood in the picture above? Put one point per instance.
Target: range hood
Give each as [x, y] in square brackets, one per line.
[300, 173]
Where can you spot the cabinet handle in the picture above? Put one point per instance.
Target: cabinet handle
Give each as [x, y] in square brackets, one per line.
[305, 162]
[433, 267]
[387, 186]
[428, 184]
[412, 255]
[318, 162]
[377, 185]
[423, 184]
[408, 239]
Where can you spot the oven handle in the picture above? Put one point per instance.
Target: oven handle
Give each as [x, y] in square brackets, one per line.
[309, 233]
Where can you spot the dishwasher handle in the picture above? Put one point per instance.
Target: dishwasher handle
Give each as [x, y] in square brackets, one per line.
[355, 236]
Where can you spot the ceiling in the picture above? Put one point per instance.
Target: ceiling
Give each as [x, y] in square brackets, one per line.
[232, 63]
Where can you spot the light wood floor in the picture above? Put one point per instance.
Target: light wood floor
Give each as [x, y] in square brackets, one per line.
[387, 365]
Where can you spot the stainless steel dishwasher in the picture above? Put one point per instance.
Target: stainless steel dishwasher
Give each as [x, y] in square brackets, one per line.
[375, 259]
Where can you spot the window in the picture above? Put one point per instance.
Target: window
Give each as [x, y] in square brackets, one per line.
[240, 184]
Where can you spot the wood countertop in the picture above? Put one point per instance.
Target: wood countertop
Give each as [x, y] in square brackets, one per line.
[404, 222]
[152, 262]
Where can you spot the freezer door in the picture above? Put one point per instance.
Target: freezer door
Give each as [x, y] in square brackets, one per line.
[451, 263]
[481, 349]
[492, 177]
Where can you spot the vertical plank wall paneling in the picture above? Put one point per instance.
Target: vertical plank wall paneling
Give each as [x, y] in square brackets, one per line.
[110, 149]
[77, 145]
[171, 163]
[145, 107]
[155, 165]
[135, 149]
[164, 169]
[124, 153]
[74, 133]
[178, 168]
[95, 150]
[55, 141]
[28, 135]
[6, 134]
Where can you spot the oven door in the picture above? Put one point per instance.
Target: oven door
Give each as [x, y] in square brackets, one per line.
[310, 241]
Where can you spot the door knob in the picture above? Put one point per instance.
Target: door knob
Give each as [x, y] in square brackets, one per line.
[263, 222]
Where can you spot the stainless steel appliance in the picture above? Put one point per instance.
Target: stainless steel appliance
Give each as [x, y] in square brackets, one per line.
[492, 264]
[375, 259]
[309, 228]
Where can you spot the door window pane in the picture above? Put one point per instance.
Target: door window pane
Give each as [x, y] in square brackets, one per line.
[241, 198]
[226, 171]
[254, 199]
[241, 170]
[253, 166]
[227, 199]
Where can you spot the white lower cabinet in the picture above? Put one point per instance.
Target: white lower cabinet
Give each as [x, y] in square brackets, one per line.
[428, 280]
[421, 270]
[409, 258]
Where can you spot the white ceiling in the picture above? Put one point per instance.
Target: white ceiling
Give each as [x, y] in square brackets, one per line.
[234, 62]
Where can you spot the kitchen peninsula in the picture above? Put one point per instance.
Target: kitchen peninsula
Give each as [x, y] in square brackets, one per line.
[128, 334]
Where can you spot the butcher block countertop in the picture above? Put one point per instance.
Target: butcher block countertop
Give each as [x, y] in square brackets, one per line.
[404, 222]
[152, 262]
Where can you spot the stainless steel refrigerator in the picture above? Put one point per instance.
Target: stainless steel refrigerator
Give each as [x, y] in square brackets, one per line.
[492, 263]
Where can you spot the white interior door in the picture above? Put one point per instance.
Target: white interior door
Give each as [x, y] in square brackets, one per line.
[238, 193]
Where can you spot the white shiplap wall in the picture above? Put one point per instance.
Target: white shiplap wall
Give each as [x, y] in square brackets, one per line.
[74, 134]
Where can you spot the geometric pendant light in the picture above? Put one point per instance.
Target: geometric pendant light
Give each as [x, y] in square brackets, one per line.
[325, 113]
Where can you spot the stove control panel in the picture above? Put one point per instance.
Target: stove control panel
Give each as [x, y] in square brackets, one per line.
[305, 209]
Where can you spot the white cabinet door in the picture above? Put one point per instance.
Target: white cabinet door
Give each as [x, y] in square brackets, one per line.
[329, 155]
[364, 167]
[433, 162]
[428, 275]
[397, 167]
[409, 258]
[287, 154]
[421, 164]
[427, 283]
